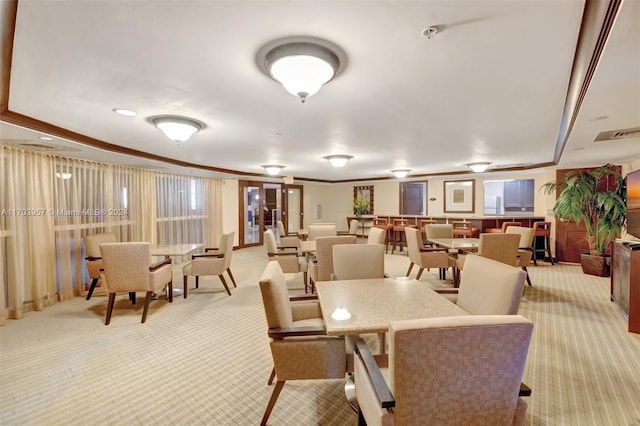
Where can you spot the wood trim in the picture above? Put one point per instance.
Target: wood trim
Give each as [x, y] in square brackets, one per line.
[8, 11]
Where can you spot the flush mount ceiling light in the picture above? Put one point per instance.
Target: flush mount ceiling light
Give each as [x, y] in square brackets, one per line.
[400, 173]
[273, 169]
[338, 160]
[301, 67]
[125, 112]
[479, 167]
[178, 129]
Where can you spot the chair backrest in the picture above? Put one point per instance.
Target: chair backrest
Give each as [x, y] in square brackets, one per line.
[500, 247]
[425, 222]
[440, 230]
[506, 225]
[376, 236]
[526, 235]
[380, 221]
[226, 244]
[353, 226]
[488, 287]
[400, 222]
[457, 370]
[542, 228]
[275, 296]
[281, 231]
[322, 230]
[92, 243]
[462, 228]
[414, 241]
[270, 242]
[324, 254]
[126, 266]
[358, 261]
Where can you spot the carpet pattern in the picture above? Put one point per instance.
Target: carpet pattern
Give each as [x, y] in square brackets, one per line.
[205, 360]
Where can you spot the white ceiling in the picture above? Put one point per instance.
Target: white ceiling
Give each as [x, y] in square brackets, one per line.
[490, 86]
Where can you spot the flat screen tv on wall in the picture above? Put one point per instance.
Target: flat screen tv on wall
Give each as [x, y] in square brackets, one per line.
[633, 204]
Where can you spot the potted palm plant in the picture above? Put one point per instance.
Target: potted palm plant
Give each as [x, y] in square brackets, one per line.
[596, 197]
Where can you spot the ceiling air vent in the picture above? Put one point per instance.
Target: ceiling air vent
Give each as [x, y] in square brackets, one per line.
[37, 147]
[613, 135]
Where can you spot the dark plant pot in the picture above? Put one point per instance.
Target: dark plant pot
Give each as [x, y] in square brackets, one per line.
[595, 265]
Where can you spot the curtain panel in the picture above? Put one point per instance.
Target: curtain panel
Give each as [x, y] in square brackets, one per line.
[49, 203]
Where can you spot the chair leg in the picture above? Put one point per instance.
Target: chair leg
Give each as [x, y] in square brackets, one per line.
[419, 273]
[170, 291]
[185, 286]
[361, 420]
[197, 281]
[132, 297]
[92, 287]
[410, 268]
[147, 301]
[524, 268]
[112, 299]
[225, 284]
[233, 280]
[272, 376]
[272, 402]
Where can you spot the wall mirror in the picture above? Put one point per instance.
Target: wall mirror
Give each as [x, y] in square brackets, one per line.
[363, 200]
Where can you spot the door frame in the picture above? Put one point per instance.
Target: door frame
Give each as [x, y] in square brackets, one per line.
[285, 205]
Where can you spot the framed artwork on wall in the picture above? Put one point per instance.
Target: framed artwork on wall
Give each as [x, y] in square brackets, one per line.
[459, 196]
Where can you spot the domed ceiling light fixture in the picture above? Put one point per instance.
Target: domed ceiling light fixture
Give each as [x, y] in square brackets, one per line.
[301, 67]
[479, 167]
[178, 129]
[273, 169]
[338, 160]
[400, 173]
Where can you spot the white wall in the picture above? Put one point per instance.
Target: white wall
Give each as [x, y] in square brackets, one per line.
[230, 208]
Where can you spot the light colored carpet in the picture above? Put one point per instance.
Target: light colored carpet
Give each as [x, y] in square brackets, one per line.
[206, 360]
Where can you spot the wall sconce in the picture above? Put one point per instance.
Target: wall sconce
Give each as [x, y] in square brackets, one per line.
[273, 169]
[178, 129]
[479, 167]
[338, 160]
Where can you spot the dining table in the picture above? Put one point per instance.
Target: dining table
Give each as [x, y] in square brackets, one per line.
[351, 307]
[460, 244]
[179, 251]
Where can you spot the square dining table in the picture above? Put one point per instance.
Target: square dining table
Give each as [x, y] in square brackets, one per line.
[175, 250]
[460, 244]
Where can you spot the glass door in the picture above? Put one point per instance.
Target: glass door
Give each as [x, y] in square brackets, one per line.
[250, 218]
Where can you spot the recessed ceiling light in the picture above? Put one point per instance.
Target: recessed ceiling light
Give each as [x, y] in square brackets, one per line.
[46, 138]
[125, 112]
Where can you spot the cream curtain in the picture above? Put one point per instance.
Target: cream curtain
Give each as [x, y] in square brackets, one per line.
[50, 203]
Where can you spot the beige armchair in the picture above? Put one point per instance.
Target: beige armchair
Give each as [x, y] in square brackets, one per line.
[300, 348]
[127, 270]
[377, 236]
[212, 262]
[446, 371]
[488, 287]
[322, 230]
[358, 261]
[353, 228]
[500, 247]
[288, 257]
[425, 257]
[94, 257]
[287, 240]
[438, 230]
[525, 252]
[321, 268]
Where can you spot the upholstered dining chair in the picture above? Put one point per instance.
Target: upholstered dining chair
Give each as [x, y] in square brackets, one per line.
[358, 261]
[211, 263]
[94, 257]
[127, 270]
[439, 230]
[500, 247]
[300, 348]
[321, 268]
[377, 236]
[425, 257]
[287, 240]
[487, 287]
[288, 258]
[354, 224]
[525, 252]
[446, 371]
[322, 230]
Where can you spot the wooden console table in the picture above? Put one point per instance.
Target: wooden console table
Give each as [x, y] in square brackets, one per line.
[625, 281]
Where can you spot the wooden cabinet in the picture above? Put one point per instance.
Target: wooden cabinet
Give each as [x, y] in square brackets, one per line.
[625, 281]
[518, 195]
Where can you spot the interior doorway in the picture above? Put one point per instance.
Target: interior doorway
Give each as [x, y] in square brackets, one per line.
[262, 205]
